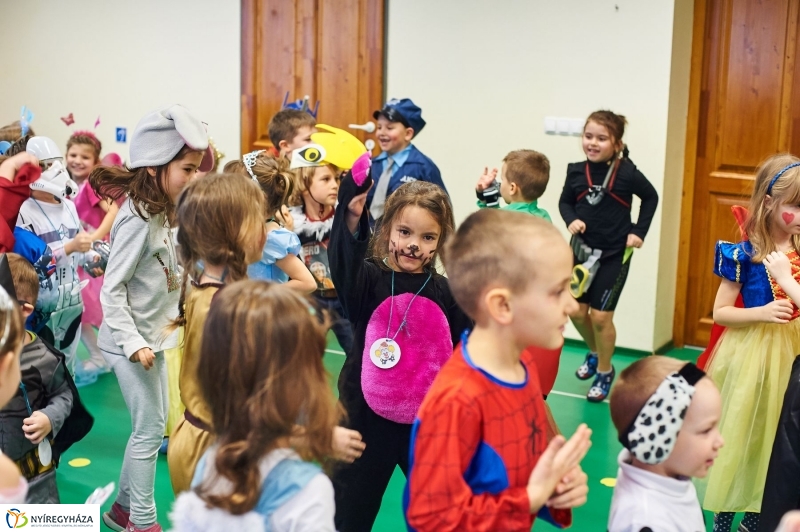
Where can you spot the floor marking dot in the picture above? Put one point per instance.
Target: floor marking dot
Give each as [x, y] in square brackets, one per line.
[79, 462]
[610, 482]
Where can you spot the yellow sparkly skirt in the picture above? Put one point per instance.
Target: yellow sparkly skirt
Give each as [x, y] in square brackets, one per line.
[751, 367]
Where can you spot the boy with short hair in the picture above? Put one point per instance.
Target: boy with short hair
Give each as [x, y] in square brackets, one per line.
[42, 408]
[483, 455]
[290, 129]
[525, 174]
[667, 414]
[399, 121]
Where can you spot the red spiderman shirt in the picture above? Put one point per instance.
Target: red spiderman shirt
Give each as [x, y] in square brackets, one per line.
[473, 447]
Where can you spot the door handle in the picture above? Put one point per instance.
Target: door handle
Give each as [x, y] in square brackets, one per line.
[369, 127]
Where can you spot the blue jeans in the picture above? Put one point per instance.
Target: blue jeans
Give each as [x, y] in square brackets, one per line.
[340, 326]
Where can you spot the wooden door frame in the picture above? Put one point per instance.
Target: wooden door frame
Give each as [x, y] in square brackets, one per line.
[251, 36]
[689, 169]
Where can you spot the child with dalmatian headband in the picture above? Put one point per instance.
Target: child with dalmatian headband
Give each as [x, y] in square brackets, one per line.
[667, 415]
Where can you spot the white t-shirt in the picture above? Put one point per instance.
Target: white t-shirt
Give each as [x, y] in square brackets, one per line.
[650, 502]
[56, 224]
[310, 510]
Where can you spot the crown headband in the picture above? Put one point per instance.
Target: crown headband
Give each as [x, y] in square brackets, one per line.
[249, 160]
[652, 434]
[778, 175]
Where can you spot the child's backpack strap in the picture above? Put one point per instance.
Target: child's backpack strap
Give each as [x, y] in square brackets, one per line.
[285, 481]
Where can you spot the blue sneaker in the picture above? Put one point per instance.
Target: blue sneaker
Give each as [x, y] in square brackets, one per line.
[601, 387]
[588, 368]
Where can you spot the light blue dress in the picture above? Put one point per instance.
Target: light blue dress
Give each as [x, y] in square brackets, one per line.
[280, 243]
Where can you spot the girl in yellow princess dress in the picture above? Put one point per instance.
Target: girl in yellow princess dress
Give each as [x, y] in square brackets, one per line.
[753, 359]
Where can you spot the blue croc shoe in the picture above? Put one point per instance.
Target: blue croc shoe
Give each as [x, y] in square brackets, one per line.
[588, 368]
[601, 387]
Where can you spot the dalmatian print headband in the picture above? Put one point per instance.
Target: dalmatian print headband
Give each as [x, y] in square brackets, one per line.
[652, 435]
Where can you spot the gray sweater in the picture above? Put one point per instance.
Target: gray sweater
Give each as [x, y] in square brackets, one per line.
[141, 287]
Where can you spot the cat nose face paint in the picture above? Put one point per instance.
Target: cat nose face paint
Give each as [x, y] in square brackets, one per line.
[413, 248]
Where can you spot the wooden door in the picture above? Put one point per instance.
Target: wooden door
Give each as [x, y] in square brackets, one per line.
[330, 50]
[744, 107]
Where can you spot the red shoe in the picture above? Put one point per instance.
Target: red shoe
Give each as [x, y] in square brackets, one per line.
[152, 528]
[117, 519]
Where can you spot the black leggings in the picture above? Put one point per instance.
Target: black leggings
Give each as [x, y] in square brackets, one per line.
[360, 486]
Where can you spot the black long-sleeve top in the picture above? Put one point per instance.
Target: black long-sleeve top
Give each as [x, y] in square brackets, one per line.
[364, 287]
[608, 223]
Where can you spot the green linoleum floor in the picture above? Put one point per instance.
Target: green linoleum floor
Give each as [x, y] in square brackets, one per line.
[105, 445]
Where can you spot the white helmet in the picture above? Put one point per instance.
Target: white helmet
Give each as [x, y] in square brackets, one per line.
[43, 148]
[56, 181]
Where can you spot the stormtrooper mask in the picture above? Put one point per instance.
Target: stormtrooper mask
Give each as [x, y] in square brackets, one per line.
[44, 149]
[56, 181]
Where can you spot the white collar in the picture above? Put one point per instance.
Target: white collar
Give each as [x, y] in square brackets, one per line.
[668, 486]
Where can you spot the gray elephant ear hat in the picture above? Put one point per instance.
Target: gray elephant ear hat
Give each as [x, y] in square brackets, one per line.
[161, 135]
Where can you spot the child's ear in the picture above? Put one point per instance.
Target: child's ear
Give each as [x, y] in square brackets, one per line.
[409, 134]
[512, 188]
[498, 305]
[282, 146]
[767, 201]
[151, 171]
[27, 309]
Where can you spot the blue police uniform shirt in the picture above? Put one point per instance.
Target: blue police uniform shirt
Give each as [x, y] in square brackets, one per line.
[410, 164]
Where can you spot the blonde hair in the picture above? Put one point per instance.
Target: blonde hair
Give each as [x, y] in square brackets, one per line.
[262, 341]
[273, 176]
[786, 190]
[485, 250]
[636, 384]
[304, 177]
[25, 278]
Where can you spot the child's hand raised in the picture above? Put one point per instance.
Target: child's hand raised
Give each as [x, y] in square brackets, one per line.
[486, 179]
[9, 167]
[558, 460]
[36, 427]
[779, 266]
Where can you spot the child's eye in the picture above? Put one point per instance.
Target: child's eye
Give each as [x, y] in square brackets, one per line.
[430, 238]
[404, 232]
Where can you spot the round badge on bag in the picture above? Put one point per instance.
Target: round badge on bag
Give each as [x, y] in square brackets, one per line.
[384, 353]
[45, 452]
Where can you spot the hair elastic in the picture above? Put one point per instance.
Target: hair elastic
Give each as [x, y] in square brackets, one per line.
[652, 434]
[249, 160]
[779, 174]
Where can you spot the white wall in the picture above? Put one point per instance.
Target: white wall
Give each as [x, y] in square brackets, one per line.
[120, 59]
[486, 75]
